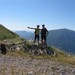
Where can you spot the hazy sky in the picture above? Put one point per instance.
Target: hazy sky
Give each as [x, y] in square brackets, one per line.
[55, 14]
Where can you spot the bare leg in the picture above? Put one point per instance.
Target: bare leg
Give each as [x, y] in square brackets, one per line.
[34, 39]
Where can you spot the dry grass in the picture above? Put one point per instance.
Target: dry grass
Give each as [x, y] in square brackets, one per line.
[60, 56]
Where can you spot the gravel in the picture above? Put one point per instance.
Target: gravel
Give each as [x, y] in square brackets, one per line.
[10, 65]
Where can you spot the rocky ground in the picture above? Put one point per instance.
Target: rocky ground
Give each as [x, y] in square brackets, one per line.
[10, 65]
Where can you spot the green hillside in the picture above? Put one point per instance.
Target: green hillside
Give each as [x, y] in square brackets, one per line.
[6, 34]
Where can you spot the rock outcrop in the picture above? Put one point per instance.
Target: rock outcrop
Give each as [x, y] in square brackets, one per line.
[31, 48]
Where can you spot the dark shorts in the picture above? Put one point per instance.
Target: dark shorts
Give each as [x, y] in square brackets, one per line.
[43, 38]
[36, 37]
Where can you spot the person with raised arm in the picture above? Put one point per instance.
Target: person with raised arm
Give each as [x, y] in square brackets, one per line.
[37, 31]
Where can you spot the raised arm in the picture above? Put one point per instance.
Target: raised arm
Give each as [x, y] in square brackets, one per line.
[31, 28]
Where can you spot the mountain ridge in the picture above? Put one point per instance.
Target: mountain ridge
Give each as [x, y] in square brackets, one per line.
[25, 34]
[63, 39]
[6, 33]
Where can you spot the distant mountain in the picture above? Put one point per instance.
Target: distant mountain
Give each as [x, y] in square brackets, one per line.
[25, 34]
[63, 39]
[6, 34]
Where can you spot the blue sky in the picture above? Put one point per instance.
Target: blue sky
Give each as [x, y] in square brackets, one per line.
[55, 14]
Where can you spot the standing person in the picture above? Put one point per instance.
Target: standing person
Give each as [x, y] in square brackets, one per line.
[44, 33]
[37, 30]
